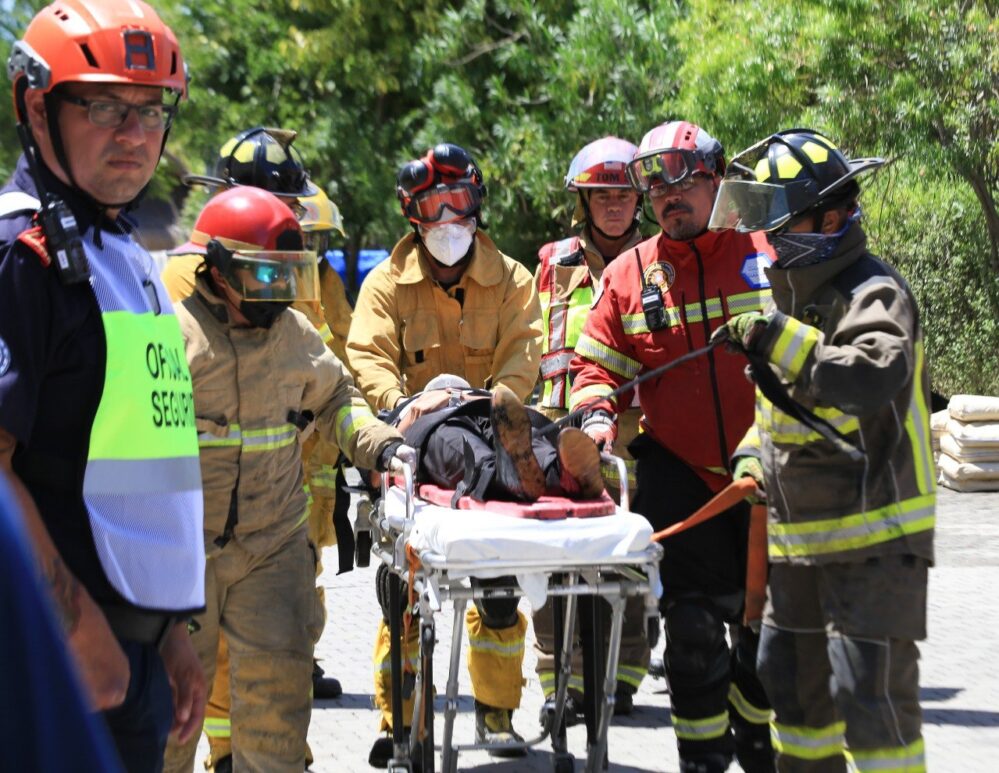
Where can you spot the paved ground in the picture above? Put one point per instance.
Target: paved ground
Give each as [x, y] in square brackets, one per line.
[960, 677]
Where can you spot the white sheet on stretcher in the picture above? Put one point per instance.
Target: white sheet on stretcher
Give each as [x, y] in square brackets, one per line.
[474, 536]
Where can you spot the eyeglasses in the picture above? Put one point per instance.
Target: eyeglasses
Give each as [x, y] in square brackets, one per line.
[269, 273]
[665, 189]
[110, 114]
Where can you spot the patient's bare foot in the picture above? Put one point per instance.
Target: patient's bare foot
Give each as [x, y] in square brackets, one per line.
[579, 460]
[517, 469]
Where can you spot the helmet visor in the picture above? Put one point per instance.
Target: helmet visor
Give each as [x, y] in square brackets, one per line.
[273, 275]
[747, 205]
[431, 205]
[664, 167]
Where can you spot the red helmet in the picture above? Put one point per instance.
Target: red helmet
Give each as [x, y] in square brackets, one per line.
[444, 180]
[672, 152]
[245, 217]
[601, 164]
[98, 41]
[255, 241]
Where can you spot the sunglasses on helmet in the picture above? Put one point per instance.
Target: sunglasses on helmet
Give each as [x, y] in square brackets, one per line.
[668, 167]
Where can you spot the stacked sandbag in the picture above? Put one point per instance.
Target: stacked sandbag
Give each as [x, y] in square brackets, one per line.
[967, 439]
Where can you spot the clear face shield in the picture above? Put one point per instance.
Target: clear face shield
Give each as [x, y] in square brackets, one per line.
[274, 275]
[747, 205]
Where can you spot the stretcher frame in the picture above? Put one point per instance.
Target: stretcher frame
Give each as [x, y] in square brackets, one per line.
[612, 578]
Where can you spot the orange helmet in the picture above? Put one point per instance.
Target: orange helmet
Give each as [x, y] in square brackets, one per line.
[98, 41]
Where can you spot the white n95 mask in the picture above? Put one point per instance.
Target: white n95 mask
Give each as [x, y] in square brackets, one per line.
[449, 243]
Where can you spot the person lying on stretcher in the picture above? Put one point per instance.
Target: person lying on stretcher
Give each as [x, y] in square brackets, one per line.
[490, 446]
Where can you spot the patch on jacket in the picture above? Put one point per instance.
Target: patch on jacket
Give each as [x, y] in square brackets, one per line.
[660, 274]
[753, 270]
[34, 239]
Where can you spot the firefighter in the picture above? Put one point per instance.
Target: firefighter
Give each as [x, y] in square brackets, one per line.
[851, 505]
[448, 301]
[568, 271]
[265, 158]
[657, 302]
[263, 378]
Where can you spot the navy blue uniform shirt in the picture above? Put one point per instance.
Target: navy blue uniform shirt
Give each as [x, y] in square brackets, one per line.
[52, 359]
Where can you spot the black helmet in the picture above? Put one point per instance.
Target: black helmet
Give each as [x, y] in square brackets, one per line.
[783, 176]
[261, 157]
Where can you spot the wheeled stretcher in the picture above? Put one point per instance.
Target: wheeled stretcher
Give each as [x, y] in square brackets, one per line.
[576, 553]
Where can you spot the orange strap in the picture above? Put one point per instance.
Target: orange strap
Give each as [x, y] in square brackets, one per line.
[756, 565]
[407, 619]
[732, 494]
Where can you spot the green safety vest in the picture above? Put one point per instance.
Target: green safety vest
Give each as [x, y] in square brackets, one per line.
[142, 485]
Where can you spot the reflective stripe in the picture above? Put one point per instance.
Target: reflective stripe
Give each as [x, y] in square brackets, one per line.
[142, 476]
[784, 429]
[852, 532]
[808, 743]
[513, 649]
[325, 333]
[751, 301]
[554, 362]
[904, 759]
[548, 684]
[695, 314]
[234, 438]
[610, 476]
[700, 729]
[580, 396]
[632, 675]
[218, 727]
[917, 424]
[269, 438]
[324, 476]
[747, 710]
[603, 355]
[349, 420]
[793, 345]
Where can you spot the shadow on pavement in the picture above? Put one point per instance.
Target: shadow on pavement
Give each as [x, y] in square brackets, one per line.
[961, 717]
[939, 694]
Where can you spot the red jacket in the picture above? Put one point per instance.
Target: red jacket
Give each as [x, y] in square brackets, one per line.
[700, 410]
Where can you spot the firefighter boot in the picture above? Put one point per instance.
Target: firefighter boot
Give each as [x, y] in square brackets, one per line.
[494, 726]
[579, 464]
[517, 469]
[324, 687]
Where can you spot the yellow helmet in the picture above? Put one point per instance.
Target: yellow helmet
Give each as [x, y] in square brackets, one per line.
[321, 214]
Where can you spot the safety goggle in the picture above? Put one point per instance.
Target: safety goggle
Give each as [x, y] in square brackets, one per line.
[274, 275]
[665, 167]
[430, 205]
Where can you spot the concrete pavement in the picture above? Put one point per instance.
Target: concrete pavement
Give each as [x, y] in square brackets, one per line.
[960, 676]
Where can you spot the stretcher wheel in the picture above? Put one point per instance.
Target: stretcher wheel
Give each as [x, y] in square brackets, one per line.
[564, 763]
[362, 549]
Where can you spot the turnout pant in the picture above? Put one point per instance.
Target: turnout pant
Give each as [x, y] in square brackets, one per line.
[839, 661]
[496, 640]
[718, 704]
[266, 606]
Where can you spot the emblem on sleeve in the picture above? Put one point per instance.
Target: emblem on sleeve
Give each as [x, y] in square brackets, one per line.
[753, 270]
[660, 274]
[4, 357]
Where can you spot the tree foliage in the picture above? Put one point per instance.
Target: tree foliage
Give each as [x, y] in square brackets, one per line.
[525, 84]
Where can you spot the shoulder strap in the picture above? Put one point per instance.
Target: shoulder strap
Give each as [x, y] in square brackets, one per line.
[17, 203]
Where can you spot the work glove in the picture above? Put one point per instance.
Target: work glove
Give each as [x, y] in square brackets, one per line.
[601, 427]
[395, 455]
[742, 331]
[750, 467]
